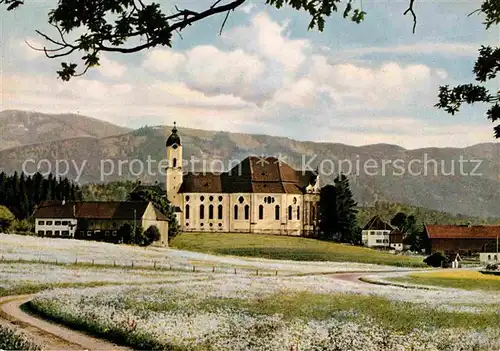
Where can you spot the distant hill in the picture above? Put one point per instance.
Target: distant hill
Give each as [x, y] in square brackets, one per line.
[19, 128]
[466, 194]
[387, 210]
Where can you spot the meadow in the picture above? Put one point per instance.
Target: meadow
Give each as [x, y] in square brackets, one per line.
[34, 249]
[308, 308]
[288, 248]
[460, 279]
[280, 313]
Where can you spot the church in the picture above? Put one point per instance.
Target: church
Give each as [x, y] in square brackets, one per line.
[259, 195]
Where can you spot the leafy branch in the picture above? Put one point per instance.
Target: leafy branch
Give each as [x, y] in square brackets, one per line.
[485, 69]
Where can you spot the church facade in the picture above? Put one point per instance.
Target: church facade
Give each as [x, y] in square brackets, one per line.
[259, 195]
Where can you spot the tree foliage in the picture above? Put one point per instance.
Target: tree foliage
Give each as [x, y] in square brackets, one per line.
[485, 69]
[21, 193]
[160, 201]
[414, 232]
[125, 233]
[437, 259]
[337, 210]
[6, 219]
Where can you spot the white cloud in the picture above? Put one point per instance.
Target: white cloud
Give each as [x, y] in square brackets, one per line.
[452, 49]
[164, 60]
[30, 53]
[266, 38]
[301, 94]
[217, 72]
[111, 69]
[263, 80]
[441, 73]
[375, 87]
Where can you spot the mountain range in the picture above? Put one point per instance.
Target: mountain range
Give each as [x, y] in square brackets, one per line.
[455, 180]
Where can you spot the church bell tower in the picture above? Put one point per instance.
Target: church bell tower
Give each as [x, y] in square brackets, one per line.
[174, 168]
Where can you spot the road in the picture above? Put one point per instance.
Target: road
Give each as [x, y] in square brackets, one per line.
[49, 336]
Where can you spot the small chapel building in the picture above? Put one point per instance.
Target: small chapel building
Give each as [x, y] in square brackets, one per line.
[259, 195]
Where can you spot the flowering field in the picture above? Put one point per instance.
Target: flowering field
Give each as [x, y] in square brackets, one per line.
[18, 278]
[183, 310]
[279, 313]
[12, 340]
[15, 247]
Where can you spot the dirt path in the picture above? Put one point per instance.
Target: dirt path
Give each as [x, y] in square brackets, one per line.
[49, 336]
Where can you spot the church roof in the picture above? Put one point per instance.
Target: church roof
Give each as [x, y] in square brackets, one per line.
[252, 175]
[174, 138]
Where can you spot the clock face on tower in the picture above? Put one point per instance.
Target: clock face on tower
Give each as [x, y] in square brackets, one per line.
[174, 146]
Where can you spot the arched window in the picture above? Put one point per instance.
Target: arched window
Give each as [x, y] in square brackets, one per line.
[289, 213]
[247, 212]
[313, 213]
[219, 212]
[277, 212]
[187, 212]
[261, 212]
[211, 212]
[174, 163]
[235, 211]
[298, 212]
[202, 211]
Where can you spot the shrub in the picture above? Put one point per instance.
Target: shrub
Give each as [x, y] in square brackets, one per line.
[492, 267]
[6, 219]
[125, 233]
[152, 234]
[437, 259]
[22, 227]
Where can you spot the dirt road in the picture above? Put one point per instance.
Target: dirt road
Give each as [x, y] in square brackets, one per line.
[49, 335]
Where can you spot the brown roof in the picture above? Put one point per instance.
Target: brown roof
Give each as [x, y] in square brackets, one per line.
[377, 224]
[252, 175]
[462, 231]
[94, 210]
[396, 237]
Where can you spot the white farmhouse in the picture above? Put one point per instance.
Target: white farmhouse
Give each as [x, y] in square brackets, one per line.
[377, 234]
[59, 222]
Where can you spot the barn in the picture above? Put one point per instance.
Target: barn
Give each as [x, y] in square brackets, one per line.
[467, 239]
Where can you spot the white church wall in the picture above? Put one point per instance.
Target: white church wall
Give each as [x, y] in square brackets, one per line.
[268, 223]
[241, 224]
[210, 221]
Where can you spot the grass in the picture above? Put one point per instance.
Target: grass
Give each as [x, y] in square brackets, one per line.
[25, 289]
[12, 340]
[396, 316]
[461, 279]
[287, 248]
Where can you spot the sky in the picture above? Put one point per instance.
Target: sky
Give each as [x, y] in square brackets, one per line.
[357, 84]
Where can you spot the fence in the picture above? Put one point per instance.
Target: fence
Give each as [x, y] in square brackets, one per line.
[138, 264]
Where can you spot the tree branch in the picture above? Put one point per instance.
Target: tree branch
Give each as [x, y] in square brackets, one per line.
[224, 23]
[207, 13]
[410, 9]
